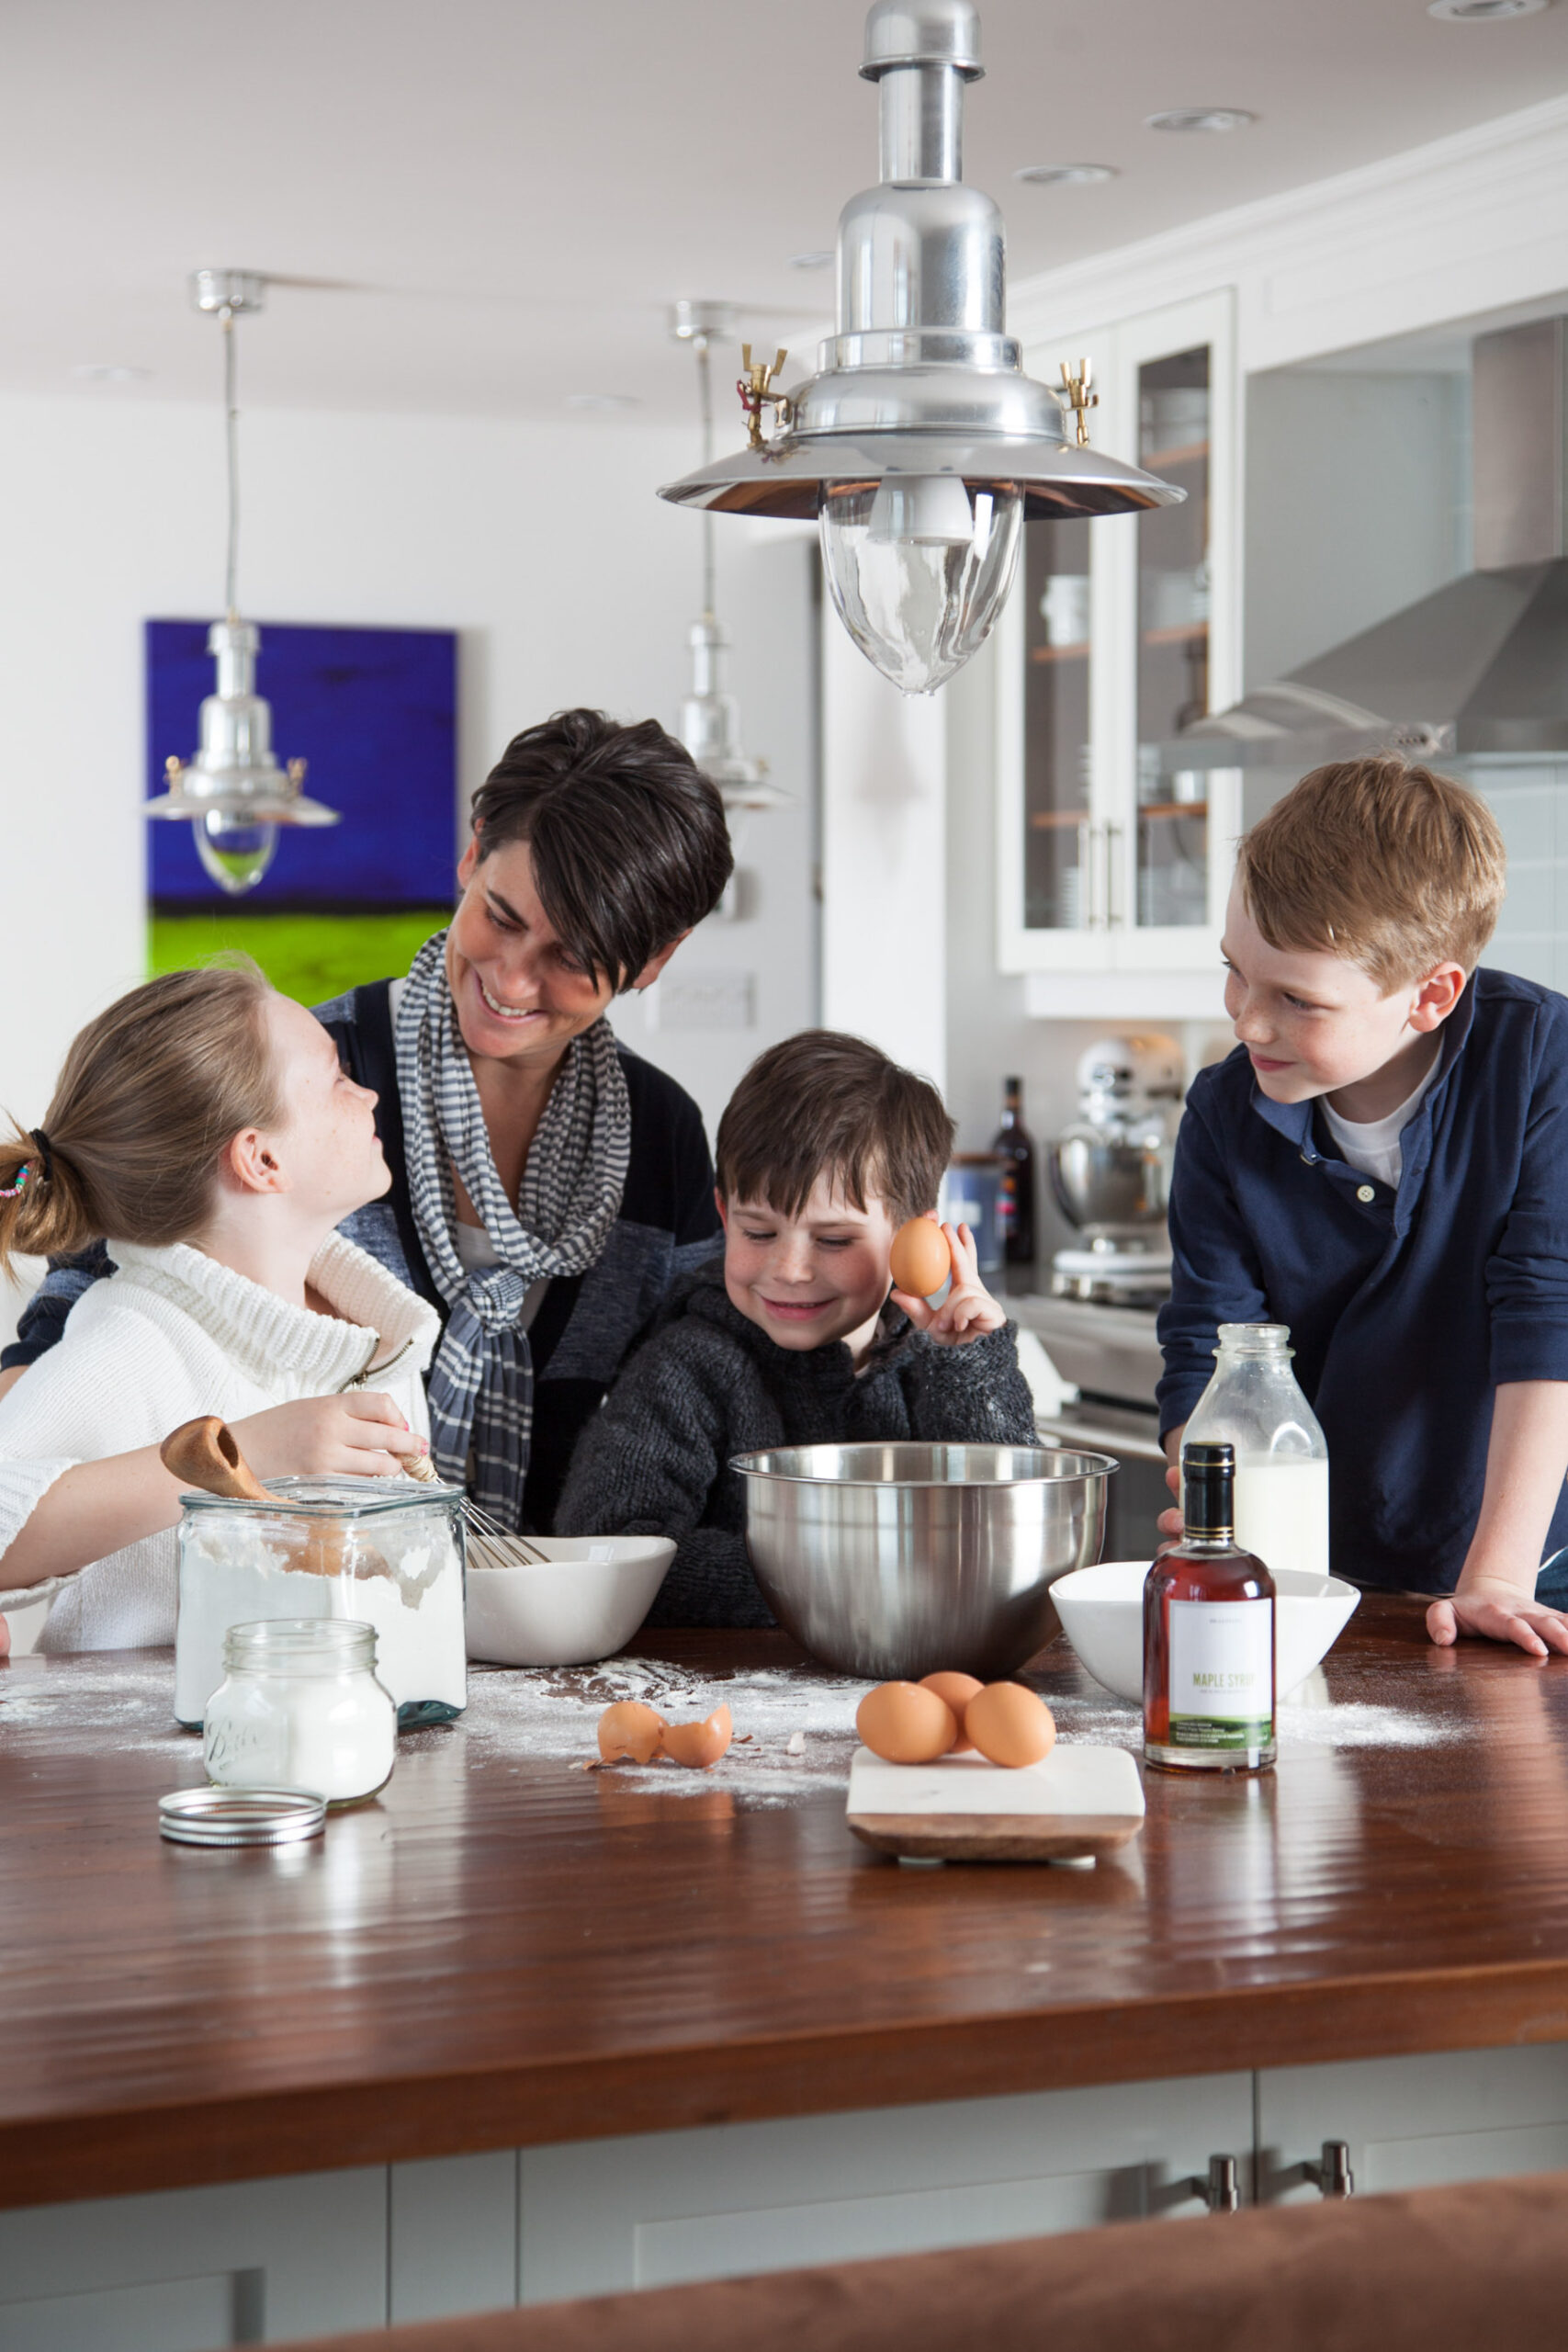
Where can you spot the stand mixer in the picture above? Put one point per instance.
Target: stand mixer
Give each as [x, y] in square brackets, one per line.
[1111, 1172]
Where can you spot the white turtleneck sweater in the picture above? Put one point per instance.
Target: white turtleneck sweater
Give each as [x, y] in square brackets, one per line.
[171, 1336]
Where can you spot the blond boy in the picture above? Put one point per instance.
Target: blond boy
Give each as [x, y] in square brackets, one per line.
[1383, 1164]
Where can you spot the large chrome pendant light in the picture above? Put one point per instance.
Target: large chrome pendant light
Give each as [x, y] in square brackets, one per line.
[921, 446]
[710, 719]
[232, 790]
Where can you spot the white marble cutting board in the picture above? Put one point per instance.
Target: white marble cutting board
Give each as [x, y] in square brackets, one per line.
[1080, 1802]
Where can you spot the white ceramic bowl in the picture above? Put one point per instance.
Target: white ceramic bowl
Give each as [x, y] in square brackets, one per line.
[1101, 1611]
[584, 1602]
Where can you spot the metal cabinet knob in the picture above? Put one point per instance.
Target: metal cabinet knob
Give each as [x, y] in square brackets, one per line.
[1220, 2186]
[1331, 2176]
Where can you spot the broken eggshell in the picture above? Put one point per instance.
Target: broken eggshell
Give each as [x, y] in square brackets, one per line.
[632, 1730]
[699, 1744]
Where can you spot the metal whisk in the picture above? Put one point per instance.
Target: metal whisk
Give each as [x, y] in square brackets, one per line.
[490, 1545]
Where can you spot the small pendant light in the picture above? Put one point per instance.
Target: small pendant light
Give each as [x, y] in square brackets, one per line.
[710, 719]
[232, 790]
[921, 446]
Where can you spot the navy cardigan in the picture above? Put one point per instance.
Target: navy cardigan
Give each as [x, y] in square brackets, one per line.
[587, 1324]
[1406, 1308]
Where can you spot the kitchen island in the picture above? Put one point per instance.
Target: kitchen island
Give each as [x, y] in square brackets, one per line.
[521, 2029]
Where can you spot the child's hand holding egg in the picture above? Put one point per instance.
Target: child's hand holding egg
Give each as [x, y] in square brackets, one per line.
[923, 1256]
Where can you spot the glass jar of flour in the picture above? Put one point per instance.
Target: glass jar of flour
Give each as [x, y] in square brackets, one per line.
[381, 1552]
[299, 1707]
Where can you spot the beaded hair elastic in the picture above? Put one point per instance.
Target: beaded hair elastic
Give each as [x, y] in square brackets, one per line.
[44, 1170]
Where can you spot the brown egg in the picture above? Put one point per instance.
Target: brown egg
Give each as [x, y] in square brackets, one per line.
[957, 1691]
[631, 1730]
[699, 1744]
[905, 1724]
[1009, 1724]
[920, 1259]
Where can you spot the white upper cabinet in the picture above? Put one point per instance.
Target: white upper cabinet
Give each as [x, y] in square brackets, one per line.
[1111, 858]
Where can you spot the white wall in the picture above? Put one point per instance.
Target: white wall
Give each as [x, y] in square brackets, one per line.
[544, 545]
[1358, 503]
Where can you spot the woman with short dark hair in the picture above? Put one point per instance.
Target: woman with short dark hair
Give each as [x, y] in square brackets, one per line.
[546, 1184]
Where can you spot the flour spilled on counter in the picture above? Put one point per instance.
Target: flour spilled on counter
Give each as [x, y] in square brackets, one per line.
[794, 1728]
[121, 1700]
[1110, 1722]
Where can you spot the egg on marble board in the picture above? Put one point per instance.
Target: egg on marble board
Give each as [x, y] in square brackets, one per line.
[957, 1691]
[1010, 1724]
[920, 1259]
[904, 1723]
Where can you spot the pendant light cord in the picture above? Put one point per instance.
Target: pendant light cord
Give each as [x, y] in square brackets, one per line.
[704, 397]
[231, 433]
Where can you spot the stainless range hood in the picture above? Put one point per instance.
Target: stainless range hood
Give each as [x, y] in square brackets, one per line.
[1478, 667]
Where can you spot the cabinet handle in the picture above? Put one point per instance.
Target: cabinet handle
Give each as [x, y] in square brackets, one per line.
[1113, 858]
[1088, 901]
[1331, 2176]
[1220, 2186]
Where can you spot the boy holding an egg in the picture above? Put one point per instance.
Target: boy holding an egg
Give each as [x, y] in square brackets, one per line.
[794, 1336]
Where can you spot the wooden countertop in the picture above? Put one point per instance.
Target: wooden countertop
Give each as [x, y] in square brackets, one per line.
[505, 1950]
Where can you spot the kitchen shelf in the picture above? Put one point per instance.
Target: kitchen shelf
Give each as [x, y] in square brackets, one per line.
[1181, 633]
[1059, 652]
[1048, 820]
[1172, 809]
[1188, 454]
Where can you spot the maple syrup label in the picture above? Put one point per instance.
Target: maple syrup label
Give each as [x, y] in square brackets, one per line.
[1222, 1674]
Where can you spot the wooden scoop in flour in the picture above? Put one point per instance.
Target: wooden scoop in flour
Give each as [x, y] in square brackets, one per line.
[203, 1454]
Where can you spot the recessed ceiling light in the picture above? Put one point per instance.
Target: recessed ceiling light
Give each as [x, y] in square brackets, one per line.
[1065, 174]
[1200, 118]
[812, 261]
[599, 400]
[1483, 11]
[108, 371]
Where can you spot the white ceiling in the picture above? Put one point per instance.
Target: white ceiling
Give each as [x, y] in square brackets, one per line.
[513, 192]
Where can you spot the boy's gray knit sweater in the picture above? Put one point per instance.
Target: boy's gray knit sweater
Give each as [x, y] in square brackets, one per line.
[709, 1384]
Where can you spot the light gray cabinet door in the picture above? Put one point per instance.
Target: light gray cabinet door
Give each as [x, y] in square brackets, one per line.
[714, 2204]
[195, 2269]
[1416, 2123]
[453, 2237]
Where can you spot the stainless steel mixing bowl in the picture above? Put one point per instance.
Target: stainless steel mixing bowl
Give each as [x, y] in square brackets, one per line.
[894, 1560]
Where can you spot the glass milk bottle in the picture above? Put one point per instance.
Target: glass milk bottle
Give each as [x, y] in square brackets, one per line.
[1282, 1459]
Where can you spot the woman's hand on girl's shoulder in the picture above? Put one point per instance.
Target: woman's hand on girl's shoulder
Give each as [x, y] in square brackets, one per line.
[360, 1435]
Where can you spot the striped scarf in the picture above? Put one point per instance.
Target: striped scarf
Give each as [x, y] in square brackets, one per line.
[481, 1383]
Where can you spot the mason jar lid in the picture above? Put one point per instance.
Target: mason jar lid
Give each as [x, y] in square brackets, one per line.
[301, 1645]
[219, 1816]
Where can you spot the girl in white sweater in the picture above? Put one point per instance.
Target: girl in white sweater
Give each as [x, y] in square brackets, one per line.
[204, 1128]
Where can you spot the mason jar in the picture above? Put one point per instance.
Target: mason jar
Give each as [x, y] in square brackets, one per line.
[300, 1708]
[384, 1551]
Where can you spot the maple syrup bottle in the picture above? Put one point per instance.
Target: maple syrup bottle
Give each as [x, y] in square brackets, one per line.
[1208, 1634]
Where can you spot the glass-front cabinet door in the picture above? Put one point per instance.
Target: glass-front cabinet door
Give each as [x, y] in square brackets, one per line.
[1114, 854]
[1059, 874]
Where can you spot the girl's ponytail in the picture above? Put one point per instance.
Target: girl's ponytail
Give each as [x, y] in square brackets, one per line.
[150, 1093]
[42, 1211]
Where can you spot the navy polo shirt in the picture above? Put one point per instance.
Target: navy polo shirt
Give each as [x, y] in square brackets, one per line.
[1406, 1308]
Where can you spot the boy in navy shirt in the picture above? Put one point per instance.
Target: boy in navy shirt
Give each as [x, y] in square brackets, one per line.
[1383, 1164]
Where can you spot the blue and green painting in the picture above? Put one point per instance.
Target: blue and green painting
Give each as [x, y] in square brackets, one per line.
[373, 712]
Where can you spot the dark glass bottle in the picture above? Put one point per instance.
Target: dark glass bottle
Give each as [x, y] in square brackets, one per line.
[1015, 1152]
[1208, 1634]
